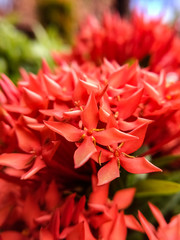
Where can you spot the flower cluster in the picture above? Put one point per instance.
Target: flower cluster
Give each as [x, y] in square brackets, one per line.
[70, 117]
[68, 132]
[153, 43]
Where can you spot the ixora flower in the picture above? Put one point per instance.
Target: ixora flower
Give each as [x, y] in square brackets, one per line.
[165, 231]
[93, 141]
[74, 115]
[124, 41]
[62, 216]
[107, 216]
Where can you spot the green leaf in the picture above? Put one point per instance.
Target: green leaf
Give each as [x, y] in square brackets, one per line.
[165, 160]
[153, 187]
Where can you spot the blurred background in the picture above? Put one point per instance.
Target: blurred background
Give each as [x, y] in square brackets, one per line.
[30, 30]
[28, 12]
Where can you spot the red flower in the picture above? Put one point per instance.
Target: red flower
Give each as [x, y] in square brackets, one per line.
[124, 41]
[108, 217]
[93, 115]
[165, 231]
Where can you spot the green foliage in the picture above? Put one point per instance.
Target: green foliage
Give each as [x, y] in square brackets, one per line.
[153, 187]
[164, 161]
[18, 50]
[60, 14]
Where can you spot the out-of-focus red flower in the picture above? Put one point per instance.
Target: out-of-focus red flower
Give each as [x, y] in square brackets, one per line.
[165, 231]
[107, 216]
[62, 215]
[103, 218]
[126, 40]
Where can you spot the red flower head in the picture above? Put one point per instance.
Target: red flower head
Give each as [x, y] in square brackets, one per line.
[165, 231]
[90, 114]
[125, 40]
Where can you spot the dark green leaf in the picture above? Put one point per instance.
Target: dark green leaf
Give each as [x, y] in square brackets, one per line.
[153, 187]
[165, 160]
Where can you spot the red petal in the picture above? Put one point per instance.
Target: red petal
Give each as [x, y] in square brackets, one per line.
[106, 227]
[54, 224]
[103, 114]
[45, 234]
[112, 135]
[90, 113]
[123, 198]
[17, 108]
[67, 211]
[27, 140]
[49, 150]
[108, 172]
[71, 114]
[52, 197]
[77, 232]
[15, 160]
[87, 232]
[31, 211]
[132, 102]
[89, 85]
[127, 126]
[132, 146]
[69, 80]
[97, 220]
[119, 230]
[36, 126]
[162, 82]
[5, 116]
[52, 112]
[84, 152]
[4, 211]
[78, 209]
[32, 99]
[138, 165]
[119, 78]
[146, 226]
[132, 223]
[99, 194]
[45, 67]
[6, 88]
[38, 165]
[11, 87]
[158, 215]
[43, 219]
[66, 130]
[30, 120]
[153, 93]
[101, 156]
[12, 235]
[52, 86]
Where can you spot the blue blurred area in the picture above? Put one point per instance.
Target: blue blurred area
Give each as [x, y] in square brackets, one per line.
[6, 5]
[167, 9]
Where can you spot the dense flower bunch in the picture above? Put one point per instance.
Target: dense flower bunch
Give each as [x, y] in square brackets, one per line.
[67, 134]
[153, 43]
[90, 117]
